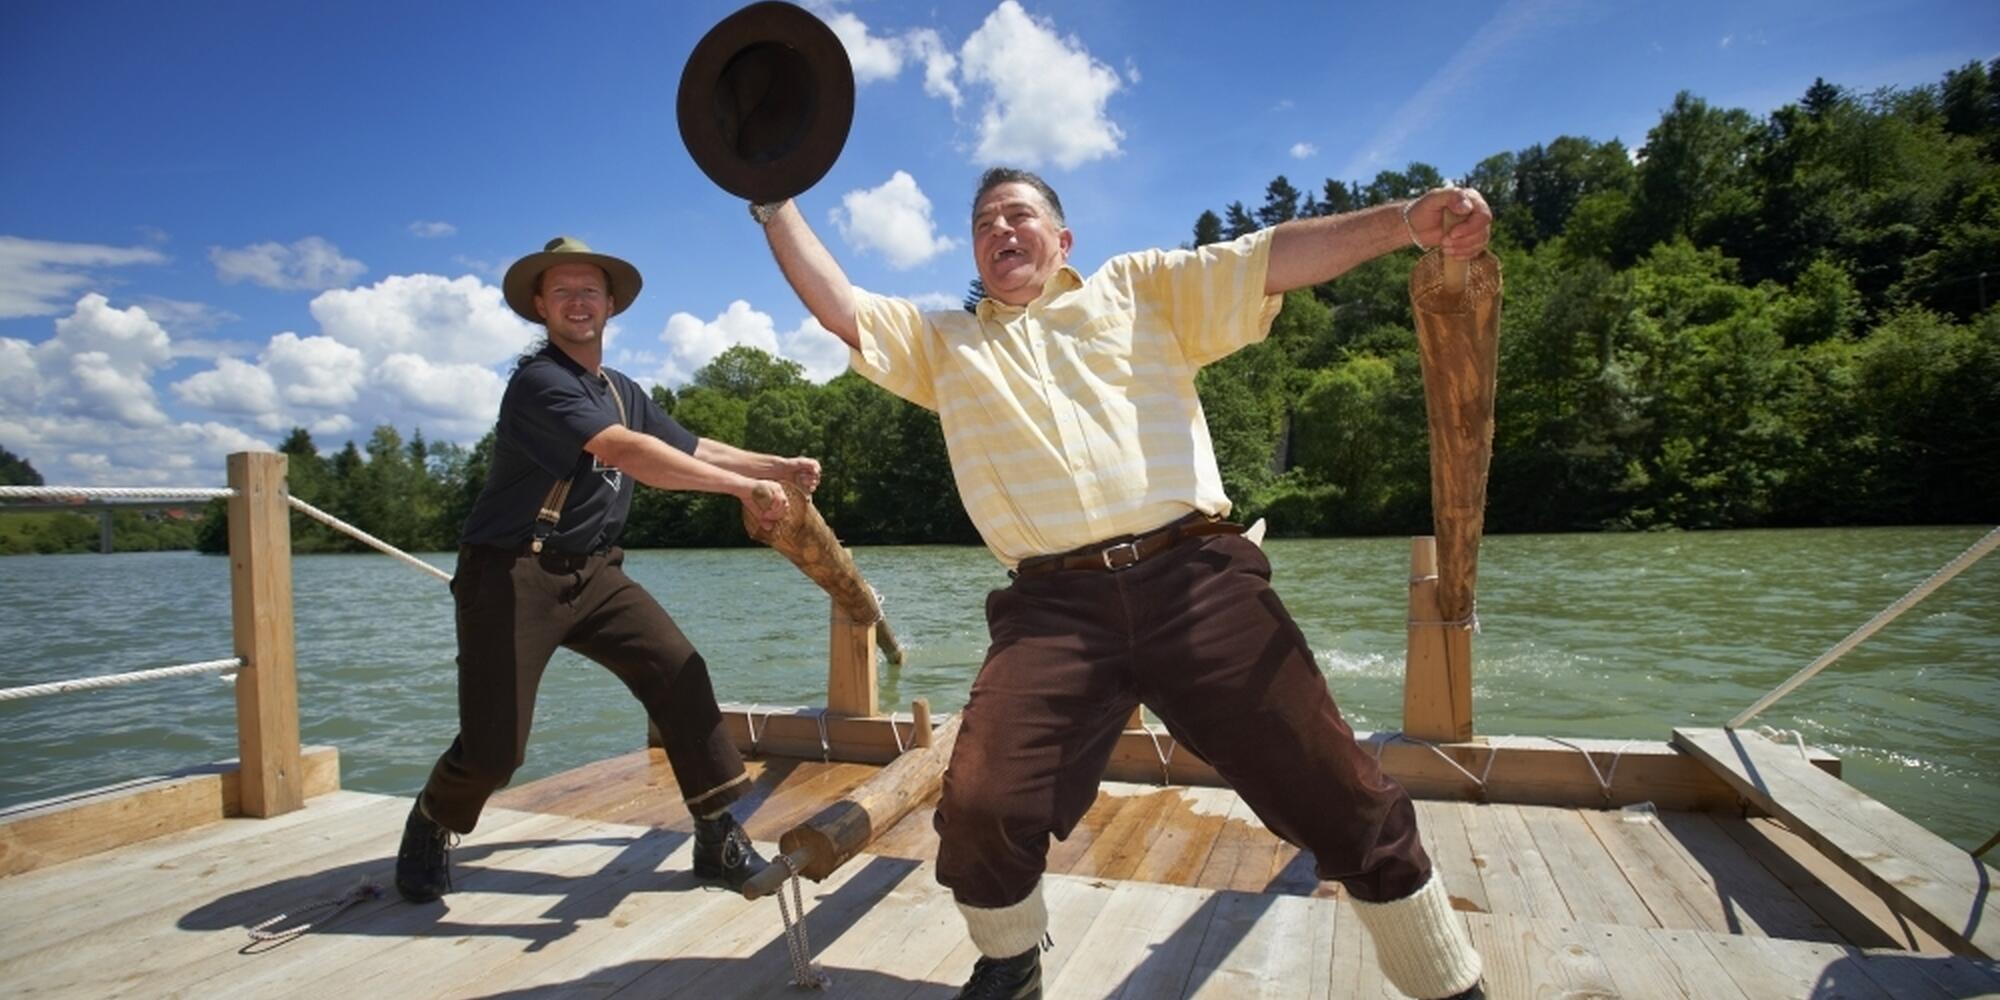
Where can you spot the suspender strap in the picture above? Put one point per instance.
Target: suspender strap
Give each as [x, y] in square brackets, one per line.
[551, 512]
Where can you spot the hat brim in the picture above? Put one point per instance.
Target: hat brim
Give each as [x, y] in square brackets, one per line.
[817, 83]
[522, 280]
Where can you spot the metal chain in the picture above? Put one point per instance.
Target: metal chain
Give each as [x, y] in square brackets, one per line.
[804, 973]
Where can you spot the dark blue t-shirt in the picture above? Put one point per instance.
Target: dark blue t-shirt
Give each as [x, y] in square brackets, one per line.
[551, 408]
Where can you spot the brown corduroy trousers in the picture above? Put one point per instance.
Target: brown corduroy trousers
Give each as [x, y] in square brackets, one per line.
[513, 609]
[1197, 635]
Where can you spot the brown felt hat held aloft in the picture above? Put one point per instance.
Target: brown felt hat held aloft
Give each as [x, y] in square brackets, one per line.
[765, 101]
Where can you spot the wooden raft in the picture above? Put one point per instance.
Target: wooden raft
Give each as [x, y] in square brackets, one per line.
[559, 906]
[1944, 890]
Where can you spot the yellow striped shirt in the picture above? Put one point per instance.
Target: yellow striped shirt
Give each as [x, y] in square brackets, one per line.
[1075, 418]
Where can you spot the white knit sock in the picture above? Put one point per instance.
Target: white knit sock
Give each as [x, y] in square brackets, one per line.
[1422, 945]
[1006, 931]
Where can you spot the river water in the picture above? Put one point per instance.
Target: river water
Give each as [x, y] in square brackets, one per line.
[1614, 635]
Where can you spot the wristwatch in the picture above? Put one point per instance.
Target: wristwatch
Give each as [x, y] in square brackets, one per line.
[763, 212]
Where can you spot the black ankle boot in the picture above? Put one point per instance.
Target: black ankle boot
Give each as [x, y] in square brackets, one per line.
[423, 863]
[1017, 978]
[723, 853]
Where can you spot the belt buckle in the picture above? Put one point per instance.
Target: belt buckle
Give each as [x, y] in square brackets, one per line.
[1115, 562]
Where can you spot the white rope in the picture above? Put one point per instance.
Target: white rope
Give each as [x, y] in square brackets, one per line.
[1603, 777]
[1777, 735]
[898, 734]
[1883, 617]
[1492, 754]
[365, 538]
[1167, 757]
[804, 973]
[116, 680]
[111, 493]
[750, 721]
[825, 748]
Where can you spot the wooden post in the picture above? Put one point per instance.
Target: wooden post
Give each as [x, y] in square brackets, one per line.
[260, 587]
[920, 720]
[850, 666]
[1437, 676]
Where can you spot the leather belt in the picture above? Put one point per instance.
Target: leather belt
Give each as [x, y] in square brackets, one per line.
[1118, 553]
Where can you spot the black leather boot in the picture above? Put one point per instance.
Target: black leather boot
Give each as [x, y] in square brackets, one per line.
[1017, 978]
[723, 853]
[423, 863]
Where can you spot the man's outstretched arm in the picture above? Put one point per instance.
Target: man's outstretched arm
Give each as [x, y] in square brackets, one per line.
[812, 272]
[659, 464]
[1309, 251]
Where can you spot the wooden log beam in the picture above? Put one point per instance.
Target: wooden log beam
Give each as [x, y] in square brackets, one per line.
[1533, 770]
[820, 845]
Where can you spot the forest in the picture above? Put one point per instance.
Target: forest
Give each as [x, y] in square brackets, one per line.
[1746, 322]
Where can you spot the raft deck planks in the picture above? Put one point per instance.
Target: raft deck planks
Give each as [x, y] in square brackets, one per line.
[559, 906]
[1942, 889]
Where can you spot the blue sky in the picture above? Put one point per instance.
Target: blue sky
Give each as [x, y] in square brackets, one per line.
[220, 220]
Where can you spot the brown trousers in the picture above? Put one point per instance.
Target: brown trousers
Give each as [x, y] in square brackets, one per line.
[513, 609]
[1197, 635]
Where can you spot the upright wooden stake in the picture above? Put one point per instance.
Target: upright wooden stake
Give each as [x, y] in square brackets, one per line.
[850, 667]
[1437, 676]
[260, 588]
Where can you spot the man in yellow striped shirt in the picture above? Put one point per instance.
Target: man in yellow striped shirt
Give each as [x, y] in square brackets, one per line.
[1077, 439]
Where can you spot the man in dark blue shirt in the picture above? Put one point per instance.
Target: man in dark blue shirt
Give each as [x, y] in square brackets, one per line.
[539, 567]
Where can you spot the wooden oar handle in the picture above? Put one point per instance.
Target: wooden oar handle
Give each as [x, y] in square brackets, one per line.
[1456, 270]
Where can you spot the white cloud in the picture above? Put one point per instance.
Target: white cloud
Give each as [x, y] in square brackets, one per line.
[1304, 151]
[445, 319]
[96, 370]
[309, 264]
[186, 318]
[893, 220]
[1047, 93]
[873, 57]
[318, 372]
[131, 341]
[432, 230]
[97, 387]
[937, 301]
[456, 392]
[939, 64]
[691, 343]
[40, 277]
[232, 386]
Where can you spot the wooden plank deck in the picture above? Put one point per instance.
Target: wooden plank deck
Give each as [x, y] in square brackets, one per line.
[551, 905]
[1944, 890]
[1693, 871]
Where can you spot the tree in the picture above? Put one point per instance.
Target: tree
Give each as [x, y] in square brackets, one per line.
[15, 470]
[1691, 176]
[974, 294]
[1281, 203]
[1207, 228]
[743, 371]
[1236, 221]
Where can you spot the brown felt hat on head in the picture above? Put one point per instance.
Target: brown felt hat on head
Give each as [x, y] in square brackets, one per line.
[621, 279]
[765, 101]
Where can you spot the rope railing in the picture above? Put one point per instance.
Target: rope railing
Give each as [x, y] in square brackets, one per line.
[1922, 590]
[364, 538]
[112, 493]
[118, 680]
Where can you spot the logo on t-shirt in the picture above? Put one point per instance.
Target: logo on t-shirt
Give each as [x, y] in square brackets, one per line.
[612, 477]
